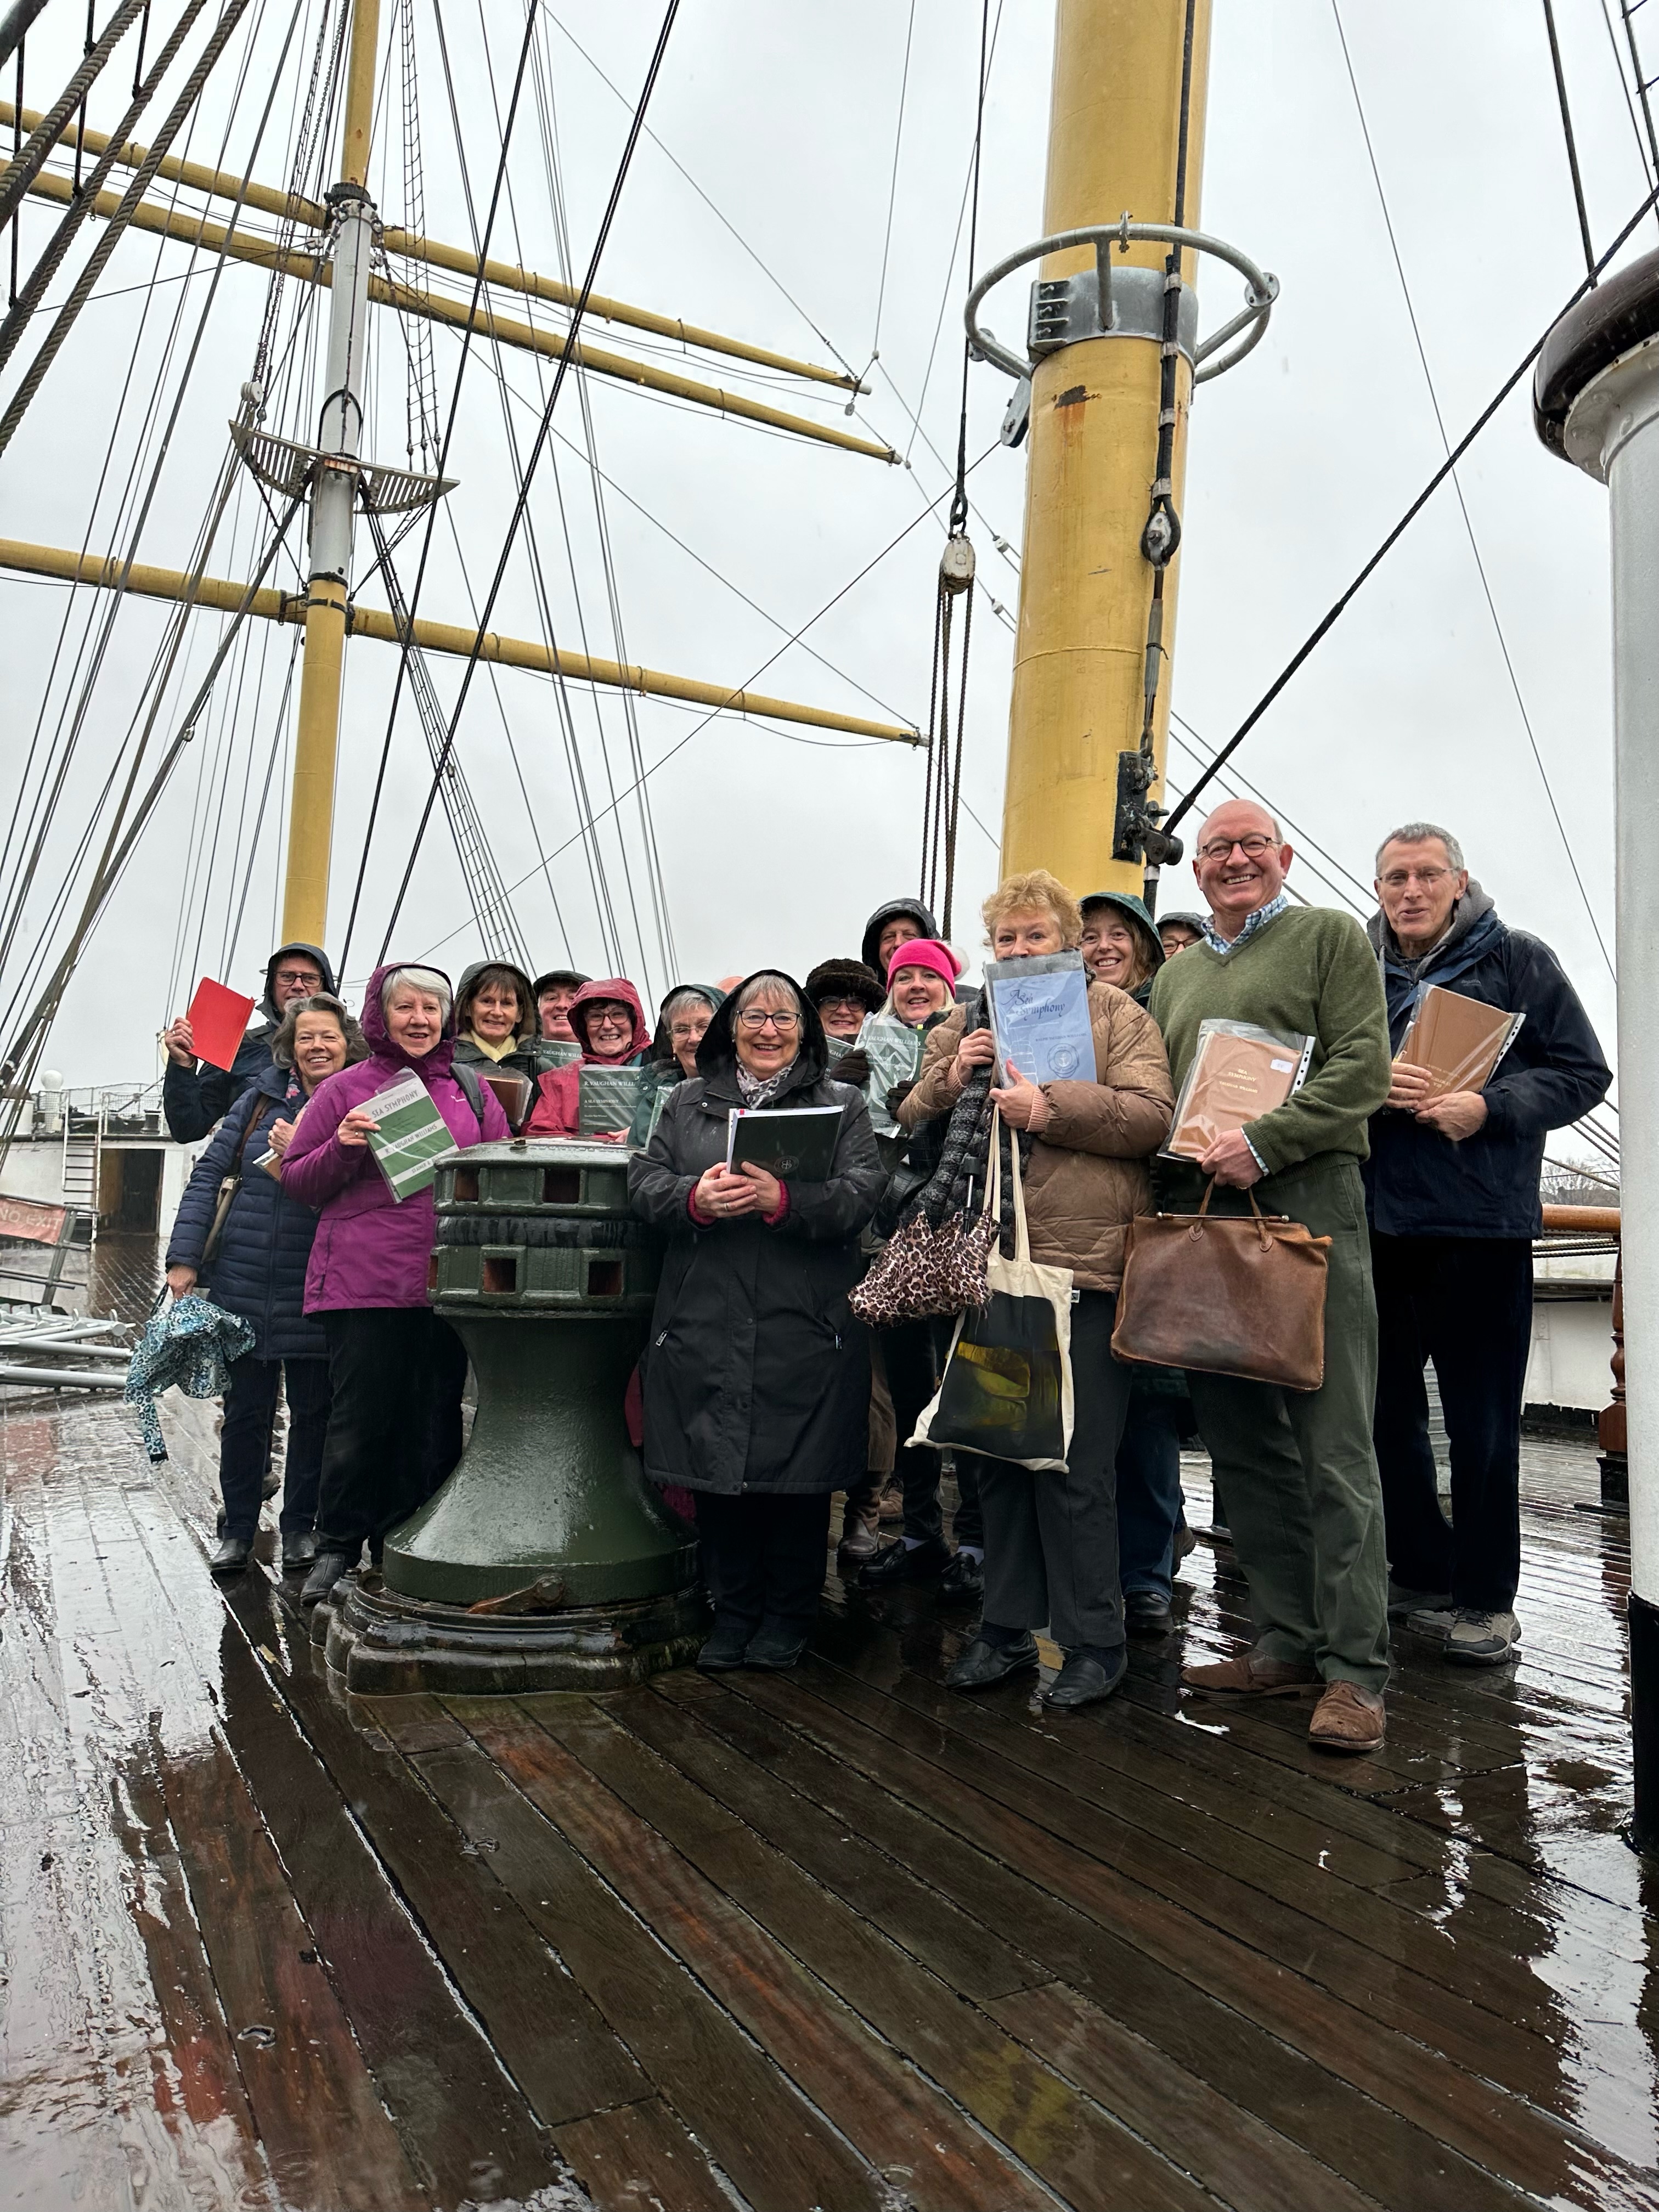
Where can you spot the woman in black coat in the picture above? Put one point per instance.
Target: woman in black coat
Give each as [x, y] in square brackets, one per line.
[756, 1376]
[258, 1271]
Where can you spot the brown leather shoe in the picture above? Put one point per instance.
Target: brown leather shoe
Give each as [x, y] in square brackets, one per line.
[1348, 1718]
[1248, 1675]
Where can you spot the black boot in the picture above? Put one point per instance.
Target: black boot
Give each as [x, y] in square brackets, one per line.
[327, 1569]
[725, 1647]
[776, 1648]
[299, 1551]
[231, 1556]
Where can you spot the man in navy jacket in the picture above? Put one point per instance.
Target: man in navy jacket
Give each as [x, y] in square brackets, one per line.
[1451, 1189]
[194, 1095]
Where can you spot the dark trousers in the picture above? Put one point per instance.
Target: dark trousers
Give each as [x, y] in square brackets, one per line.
[1051, 1539]
[764, 1557]
[914, 1353]
[1149, 1497]
[1465, 1302]
[245, 1441]
[394, 1430]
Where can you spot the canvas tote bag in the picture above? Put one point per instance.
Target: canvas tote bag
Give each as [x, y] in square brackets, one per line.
[1007, 1386]
[1233, 1294]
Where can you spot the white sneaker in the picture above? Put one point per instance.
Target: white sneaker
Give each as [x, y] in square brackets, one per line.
[1482, 1639]
[1432, 1620]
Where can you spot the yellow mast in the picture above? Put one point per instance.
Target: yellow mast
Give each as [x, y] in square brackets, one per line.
[311, 812]
[1085, 588]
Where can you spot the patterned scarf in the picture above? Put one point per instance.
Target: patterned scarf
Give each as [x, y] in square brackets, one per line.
[757, 1090]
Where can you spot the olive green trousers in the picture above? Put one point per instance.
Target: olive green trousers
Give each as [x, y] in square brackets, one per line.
[1295, 1468]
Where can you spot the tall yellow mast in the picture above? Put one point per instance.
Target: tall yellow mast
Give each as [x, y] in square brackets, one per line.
[1085, 588]
[334, 490]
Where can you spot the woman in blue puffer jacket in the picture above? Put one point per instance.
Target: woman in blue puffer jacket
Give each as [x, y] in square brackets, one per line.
[258, 1270]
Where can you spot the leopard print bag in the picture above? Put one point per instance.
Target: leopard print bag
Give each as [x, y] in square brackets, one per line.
[923, 1271]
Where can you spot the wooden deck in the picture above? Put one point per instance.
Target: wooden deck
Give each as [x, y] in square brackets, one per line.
[837, 1939]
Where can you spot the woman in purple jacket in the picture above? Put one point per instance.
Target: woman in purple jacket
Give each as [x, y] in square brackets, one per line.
[396, 1369]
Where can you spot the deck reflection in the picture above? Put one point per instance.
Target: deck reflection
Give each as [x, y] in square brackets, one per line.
[835, 1940]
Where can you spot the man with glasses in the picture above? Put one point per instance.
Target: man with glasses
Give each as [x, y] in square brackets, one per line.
[195, 1098]
[1295, 1468]
[1451, 1187]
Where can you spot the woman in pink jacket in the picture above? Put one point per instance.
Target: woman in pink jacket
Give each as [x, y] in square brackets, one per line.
[609, 1025]
[396, 1370]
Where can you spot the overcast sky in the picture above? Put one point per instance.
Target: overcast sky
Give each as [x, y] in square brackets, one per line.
[773, 846]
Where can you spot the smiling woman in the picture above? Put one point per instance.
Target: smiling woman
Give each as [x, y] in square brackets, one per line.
[396, 1370]
[757, 1376]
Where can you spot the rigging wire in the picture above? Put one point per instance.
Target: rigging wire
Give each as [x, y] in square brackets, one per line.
[593, 857]
[724, 221]
[892, 190]
[1334, 612]
[443, 458]
[25, 299]
[942, 786]
[714, 712]
[577, 312]
[104, 617]
[1457, 487]
[548, 121]
[154, 154]
[1567, 132]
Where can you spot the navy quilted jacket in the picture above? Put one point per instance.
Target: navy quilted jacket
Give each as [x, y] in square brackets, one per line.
[260, 1269]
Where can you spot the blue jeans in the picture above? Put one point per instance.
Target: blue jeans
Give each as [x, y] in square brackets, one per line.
[1148, 1493]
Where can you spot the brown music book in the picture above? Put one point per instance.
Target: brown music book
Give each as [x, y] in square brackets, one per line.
[514, 1092]
[1460, 1040]
[1239, 1072]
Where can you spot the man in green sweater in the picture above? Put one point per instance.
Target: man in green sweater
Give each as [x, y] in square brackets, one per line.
[1295, 1468]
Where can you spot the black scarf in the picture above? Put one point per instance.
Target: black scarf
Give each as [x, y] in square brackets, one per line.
[967, 1142]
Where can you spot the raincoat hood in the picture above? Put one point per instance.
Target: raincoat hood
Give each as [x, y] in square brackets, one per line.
[268, 1006]
[717, 1055]
[529, 1021]
[662, 1047]
[435, 1062]
[610, 986]
[1134, 910]
[871, 951]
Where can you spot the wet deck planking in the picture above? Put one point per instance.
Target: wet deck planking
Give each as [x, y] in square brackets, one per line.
[839, 1939]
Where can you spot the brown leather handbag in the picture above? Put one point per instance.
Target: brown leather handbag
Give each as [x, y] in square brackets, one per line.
[1228, 1294]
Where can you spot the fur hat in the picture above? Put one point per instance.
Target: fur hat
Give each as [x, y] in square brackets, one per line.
[845, 979]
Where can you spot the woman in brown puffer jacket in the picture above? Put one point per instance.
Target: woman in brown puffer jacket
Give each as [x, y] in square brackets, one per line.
[1051, 1538]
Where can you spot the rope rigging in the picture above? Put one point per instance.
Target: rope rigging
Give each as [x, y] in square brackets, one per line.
[941, 803]
[1334, 612]
[577, 312]
[1567, 132]
[431, 523]
[1462, 504]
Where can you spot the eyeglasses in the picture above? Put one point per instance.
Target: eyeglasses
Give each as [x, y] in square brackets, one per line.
[609, 1020]
[1222, 848]
[755, 1017]
[840, 1005]
[688, 1032]
[1430, 879]
[308, 978]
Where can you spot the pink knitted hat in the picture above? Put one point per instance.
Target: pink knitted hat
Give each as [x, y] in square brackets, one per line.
[925, 952]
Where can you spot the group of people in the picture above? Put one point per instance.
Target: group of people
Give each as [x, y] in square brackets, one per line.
[763, 1396]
